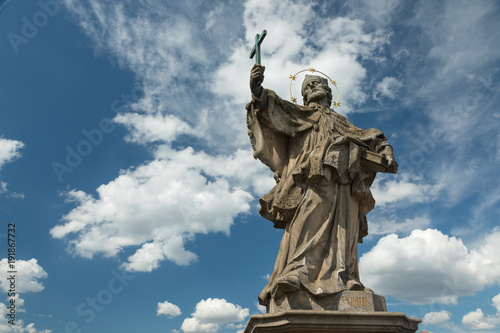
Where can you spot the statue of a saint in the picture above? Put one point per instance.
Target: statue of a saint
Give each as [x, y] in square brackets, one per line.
[323, 167]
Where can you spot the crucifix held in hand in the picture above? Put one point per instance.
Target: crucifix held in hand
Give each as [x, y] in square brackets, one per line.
[256, 49]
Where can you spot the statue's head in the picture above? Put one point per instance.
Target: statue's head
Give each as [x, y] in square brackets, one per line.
[315, 88]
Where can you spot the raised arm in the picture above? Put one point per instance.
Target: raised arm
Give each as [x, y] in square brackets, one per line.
[256, 79]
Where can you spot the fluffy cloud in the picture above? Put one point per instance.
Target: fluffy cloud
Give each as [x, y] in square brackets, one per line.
[193, 325]
[436, 318]
[9, 150]
[3, 187]
[496, 302]
[168, 309]
[428, 266]
[211, 314]
[28, 275]
[240, 168]
[28, 278]
[388, 189]
[159, 206]
[153, 127]
[388, 87]
[20, 326]
[219, 310]
[476, 320]
[379, 226]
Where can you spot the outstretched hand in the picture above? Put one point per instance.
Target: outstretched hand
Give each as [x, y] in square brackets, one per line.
[392, 165]
[256, 79]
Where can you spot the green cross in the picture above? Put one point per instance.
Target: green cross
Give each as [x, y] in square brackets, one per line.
[256, 49]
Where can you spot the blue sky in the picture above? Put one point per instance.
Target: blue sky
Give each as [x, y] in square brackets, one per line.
[126, 166]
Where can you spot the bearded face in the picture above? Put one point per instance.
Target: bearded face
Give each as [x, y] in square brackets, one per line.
[315, 89]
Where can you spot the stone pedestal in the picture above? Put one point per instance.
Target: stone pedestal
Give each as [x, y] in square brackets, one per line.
[348, 300]
[309, 321]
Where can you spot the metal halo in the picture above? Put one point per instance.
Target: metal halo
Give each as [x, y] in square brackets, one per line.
[313, 70]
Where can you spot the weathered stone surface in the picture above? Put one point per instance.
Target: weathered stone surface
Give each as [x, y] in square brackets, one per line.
[307, 321]
[323, 166]
[349, 300]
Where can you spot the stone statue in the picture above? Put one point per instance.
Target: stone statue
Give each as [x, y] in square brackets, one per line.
[323, 167]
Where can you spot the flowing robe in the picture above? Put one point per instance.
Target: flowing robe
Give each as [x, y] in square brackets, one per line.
[322, 193]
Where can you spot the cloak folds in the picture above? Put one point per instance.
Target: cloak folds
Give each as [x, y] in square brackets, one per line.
[322, 193]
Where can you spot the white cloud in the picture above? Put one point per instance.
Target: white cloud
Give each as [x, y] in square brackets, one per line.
[27, 279]
[485, 260]
[19, 326]
[388, 87]
[3, 187]
[5, 190]
[219, 311]
[9, 150]
[428, 266]
[28, 275]
[436, 318]
[160, 205]
[168, 309]
[211, 314]
[477, 321]
[146, 128]
[496, 302]
[239, 168]
[193, 325]
[388, 189]
[378, 226]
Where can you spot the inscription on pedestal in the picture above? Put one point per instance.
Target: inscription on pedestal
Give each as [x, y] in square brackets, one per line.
[360, 301]
[355, 301]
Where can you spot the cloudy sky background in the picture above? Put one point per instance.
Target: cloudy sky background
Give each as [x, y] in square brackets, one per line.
[126, 166]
